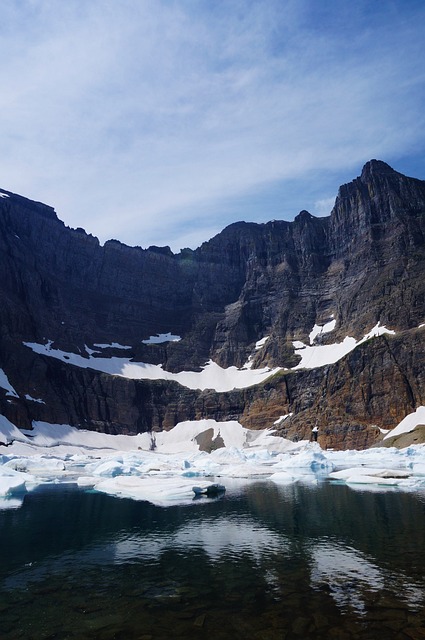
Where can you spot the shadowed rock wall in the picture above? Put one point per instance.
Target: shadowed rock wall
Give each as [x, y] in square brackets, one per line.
[361, 265]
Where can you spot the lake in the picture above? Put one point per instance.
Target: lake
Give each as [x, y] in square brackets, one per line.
[262, 562]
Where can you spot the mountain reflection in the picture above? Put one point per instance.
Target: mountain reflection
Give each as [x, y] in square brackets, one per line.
[264, 557]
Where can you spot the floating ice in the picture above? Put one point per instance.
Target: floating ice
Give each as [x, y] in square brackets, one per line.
[11, 484]
[371, 472]
[164, 467]
[312, 459]
[283, 477]
[162, 492]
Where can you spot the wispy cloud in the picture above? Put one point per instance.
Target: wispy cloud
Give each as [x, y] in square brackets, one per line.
[160, 122]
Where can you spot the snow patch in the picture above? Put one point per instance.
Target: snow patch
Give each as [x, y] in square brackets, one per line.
[320, 355]
[5, 384]
[320, 329]
[31, 399]
[260, 343]
[112, 345]
[283, 418]
[162, 337]
[8, 432]
[212, 375]
[409, 423]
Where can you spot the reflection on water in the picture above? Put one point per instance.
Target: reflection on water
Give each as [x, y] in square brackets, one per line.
[263, 562]
[350, 575]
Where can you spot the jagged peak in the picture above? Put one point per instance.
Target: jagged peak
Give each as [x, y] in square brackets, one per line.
[304, 216]
[376, 167]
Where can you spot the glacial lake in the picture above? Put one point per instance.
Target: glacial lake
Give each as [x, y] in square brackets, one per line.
[263, 562]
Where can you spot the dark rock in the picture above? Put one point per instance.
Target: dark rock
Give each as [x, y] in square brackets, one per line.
[362, 265]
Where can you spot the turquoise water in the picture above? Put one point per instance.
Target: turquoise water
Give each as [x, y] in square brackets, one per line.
[261, 562]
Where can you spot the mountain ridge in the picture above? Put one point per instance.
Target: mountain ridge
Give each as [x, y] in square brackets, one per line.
[361, 265]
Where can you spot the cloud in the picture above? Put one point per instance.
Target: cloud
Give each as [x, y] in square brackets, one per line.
[324, 206]
[153, 121]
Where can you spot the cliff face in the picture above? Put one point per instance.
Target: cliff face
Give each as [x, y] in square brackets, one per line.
[362, 265]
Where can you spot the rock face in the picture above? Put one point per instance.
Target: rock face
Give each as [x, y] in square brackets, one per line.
[362, 265]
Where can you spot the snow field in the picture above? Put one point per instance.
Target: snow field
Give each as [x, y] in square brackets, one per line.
[212, 375]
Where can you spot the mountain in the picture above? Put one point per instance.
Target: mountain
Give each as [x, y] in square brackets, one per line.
[248, 298]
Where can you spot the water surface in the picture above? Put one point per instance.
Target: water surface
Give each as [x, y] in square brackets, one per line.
[262, 562]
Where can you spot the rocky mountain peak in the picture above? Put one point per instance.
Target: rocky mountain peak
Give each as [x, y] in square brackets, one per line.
[303, 217]
[245, 298]
[374, 168]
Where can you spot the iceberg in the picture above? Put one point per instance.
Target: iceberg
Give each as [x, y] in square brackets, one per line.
[10, 485]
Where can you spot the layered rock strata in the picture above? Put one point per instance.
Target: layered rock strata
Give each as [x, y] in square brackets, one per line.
[362, 265]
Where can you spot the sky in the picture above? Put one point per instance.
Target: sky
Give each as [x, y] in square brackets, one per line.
[163, 121]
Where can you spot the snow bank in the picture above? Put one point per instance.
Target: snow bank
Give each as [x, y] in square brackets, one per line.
[321, 329]
[49, 435]
[9, 433]
[5, 384]
[212, 376]
[409, 423]
[320, 355]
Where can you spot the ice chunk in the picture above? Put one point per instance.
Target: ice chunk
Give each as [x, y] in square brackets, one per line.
[366, 479]
[109, 468]
[308, 459]
[10, 485]
[161, 491]
[36, 464]
[283, 477]
[86, 481]
[11, 502]
[377, 472]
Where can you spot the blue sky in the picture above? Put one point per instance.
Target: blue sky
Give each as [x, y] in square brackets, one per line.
[160, 122]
